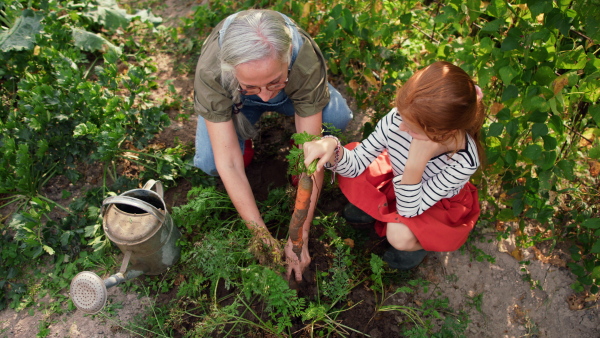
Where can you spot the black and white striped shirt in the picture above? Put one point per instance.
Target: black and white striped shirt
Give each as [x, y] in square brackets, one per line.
[444, 176]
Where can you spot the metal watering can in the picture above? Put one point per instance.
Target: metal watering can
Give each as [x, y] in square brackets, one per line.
[136, 221]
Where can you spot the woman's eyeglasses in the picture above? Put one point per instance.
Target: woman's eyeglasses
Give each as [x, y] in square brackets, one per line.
[251, 90]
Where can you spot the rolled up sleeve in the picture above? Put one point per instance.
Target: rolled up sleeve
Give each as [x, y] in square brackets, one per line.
[307, 84]
[211, 100]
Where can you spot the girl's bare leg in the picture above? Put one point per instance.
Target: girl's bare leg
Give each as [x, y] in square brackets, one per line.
[401, 238]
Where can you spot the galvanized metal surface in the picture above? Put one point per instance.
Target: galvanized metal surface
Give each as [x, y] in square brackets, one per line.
[137, 222]
[88, 292]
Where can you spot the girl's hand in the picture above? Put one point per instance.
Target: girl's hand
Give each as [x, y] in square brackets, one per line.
[420, 152]
[322, 149]
[425, 149]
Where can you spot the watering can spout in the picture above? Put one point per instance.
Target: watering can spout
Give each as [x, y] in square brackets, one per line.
[138, 223]
[89, 291]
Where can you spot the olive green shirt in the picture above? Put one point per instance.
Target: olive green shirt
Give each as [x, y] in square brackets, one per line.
[306, 87]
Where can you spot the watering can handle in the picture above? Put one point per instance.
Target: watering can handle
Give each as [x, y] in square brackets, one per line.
[149, 208]
[159, 187]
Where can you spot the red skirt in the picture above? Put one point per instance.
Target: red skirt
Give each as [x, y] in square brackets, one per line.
[443, 227]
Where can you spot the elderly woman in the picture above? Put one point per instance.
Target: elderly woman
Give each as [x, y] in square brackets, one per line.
[258, 61]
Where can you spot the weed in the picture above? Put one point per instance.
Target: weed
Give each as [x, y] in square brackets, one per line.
[341, 278]
[526, 276]
[322, 321]
[281, 303]
[44, 331]
[378, 286]
[475, 301]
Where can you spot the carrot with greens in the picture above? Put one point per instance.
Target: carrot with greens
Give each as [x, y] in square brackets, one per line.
[303, 194]
[305, 186]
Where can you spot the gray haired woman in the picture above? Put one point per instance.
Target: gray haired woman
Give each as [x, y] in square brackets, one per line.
[258, 61]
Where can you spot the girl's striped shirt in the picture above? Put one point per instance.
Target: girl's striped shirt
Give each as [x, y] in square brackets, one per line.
[443, 177]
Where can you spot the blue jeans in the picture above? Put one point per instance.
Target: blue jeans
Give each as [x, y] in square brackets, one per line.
[336, 113]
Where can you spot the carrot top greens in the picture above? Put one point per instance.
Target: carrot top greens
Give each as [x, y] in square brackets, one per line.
[296, 155]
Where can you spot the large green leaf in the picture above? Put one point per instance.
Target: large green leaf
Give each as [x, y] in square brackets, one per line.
[590, 86]
[544, 76]
[497, 8]
[507, 74]
[532, 151]
[21, 36]
[595, 112]
[592, 223]
[573, 59]
[91, 42]
[108, 14]
[538, 7]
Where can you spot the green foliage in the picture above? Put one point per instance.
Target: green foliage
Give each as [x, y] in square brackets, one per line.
[220, 255]
[65, 102]
[275, 211]
[337, 282]
[205, 207]
[296, 155]
[282, 303]
[55, 117]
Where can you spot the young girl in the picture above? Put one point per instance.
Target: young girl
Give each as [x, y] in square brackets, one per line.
[412, 173]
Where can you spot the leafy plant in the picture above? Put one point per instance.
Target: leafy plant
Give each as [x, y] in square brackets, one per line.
[378, 286]
[296, 155]
[282, 303]
[336, 283]
[206, 207]
[321, 320]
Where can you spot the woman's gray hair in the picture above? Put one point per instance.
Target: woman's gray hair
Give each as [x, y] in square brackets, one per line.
[253, 35]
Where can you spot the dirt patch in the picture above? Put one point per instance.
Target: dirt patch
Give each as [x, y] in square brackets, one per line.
[121, 310]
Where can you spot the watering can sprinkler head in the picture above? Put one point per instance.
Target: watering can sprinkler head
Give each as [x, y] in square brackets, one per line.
[89, 292]
[138, 223]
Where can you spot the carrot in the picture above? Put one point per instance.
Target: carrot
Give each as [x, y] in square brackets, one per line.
[305, 186]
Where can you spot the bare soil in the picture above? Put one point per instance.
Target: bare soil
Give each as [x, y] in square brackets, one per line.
[502, 299]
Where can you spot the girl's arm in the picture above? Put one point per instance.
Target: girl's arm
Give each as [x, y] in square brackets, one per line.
[418, 156]
[420, 187]
[351, 163]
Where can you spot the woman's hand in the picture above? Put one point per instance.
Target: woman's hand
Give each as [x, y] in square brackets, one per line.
[265, 247]
[274, 244]
[293, 264]
[323, 149]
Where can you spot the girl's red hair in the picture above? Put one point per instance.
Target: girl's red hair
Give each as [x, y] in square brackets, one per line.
[441, 98]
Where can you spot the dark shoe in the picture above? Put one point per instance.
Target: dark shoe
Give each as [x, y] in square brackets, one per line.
[403, 260]
[248, 152]
[353, 214]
